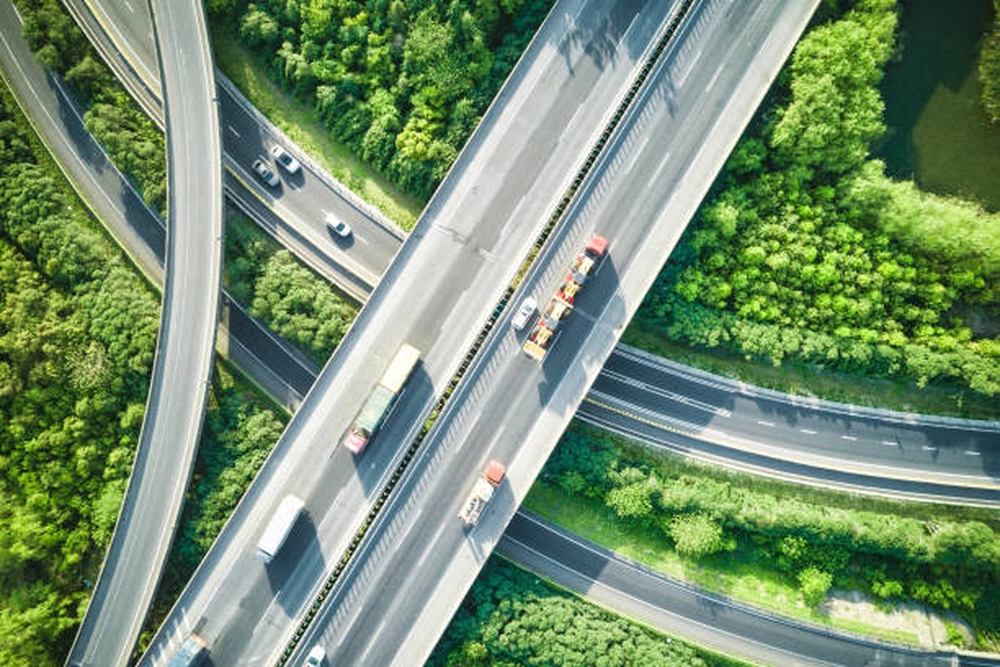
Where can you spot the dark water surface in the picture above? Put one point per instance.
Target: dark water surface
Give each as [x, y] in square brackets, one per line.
[939, 134]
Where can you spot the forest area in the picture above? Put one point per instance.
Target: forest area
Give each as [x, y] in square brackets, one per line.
[76, 344]
[77, 334]
[402, 84]
[989, 68]
[805, 251]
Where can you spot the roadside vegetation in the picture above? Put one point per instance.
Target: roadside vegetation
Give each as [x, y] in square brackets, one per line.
[131, 139]
[511, 617]
[286, 295]
[806, 252]
[299, 121]
[402, 85]
[772, 544]
[77, 336]
[267, 280]
[989, 67]
[77, 333]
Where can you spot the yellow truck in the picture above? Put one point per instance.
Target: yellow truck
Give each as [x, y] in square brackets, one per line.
[561, 303]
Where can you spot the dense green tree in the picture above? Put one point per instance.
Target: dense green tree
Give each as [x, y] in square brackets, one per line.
[402, 84]
[989, 67]
[695, 535]
[815, 584]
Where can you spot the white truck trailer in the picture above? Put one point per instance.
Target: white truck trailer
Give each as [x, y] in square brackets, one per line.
[482, 492]
[278, 527]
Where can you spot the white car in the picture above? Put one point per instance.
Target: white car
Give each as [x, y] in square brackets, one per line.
[284, 160]
[338, 227]
[524, 313]
[316, 656]
[265, 173]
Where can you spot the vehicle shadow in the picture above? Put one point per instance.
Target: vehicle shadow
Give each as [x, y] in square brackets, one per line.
[300, 554]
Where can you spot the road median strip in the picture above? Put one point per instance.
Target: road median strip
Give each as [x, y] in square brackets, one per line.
[480, 339]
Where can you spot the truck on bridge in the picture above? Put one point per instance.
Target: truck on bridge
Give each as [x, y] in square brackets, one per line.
[561, 303]
[482, 492]
[382, 398]
[279, 527]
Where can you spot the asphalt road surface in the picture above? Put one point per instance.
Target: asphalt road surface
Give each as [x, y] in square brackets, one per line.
[295, 211]
[874, 453]
[402, 587]
[437, 293]
[185, 346]
[819, 442]
[712, 621]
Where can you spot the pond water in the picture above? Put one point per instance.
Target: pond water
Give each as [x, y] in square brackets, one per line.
[939, 134]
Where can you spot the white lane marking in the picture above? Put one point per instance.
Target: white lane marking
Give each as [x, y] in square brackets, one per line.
[659, 169]
[694, 61]
[129, 5]
[848, 437]
[928, 448]
[969, 452]
[718, 71]
[768, 424]
[889, 443]
[671, 395]
[233, 130]
[808, 431]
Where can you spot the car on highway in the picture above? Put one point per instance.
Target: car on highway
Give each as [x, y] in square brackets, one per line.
[284, 160]
[337, 227]
[265, 173]
[191, 652]
[524, 313]
[316, 656]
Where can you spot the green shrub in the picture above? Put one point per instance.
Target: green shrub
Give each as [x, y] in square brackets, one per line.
[814, 584]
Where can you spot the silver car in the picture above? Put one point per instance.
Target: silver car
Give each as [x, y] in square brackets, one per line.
[266, 175]
[316, 656]
[524, 313]
[284, 160]
[338, 227]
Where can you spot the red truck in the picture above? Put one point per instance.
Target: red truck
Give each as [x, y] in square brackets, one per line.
[482, 492]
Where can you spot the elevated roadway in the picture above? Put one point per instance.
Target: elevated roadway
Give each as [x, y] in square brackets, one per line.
[652, 378]
[402, 586]
[293, 212]
[182, 366]
[864, 451]
[443, 284]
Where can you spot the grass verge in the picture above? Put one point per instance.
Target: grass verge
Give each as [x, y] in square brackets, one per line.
[301, 124]
[723, 573]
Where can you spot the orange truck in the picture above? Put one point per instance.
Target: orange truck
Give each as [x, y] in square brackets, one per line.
[561, 303]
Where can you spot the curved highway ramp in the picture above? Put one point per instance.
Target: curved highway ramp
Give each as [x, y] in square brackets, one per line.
[183, 364]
